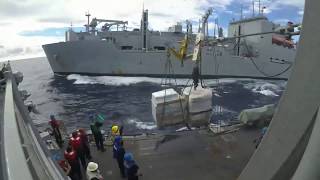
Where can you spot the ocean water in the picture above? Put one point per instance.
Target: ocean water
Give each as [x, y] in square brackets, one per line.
[127, 100]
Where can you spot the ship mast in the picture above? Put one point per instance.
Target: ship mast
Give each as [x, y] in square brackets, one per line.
[88, 23]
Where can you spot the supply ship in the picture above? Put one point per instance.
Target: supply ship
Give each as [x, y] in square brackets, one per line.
[254, 48]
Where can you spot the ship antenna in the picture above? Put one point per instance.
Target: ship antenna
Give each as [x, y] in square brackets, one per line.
[241, 13]
[88, 16]
[253, 8]
[259, 1]
[71, 26]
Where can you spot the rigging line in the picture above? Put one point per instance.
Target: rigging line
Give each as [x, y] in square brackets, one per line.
[262, 72]
[180, 100]
[167, 71]
[200, 69]
[217, 109]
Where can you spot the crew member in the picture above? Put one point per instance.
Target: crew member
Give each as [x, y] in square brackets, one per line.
[98, 137]
[93, 172]
[76, 144]
[115, 131]
[56, 130]
[85, 143]
[116, 145]
[119, 155]
[71, 156]
[131, 167]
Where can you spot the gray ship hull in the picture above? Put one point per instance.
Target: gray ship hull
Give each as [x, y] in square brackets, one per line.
[98, 57]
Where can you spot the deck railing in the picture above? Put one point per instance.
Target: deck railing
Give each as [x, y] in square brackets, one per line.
[24, 154]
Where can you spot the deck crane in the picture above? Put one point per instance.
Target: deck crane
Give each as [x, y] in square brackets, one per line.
[108, 24]
[182, 53]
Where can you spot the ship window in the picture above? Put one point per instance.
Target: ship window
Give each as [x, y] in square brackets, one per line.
[126, 47]
[161, 48]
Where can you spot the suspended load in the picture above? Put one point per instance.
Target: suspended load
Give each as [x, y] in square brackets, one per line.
[257, 116]
[167, 107]
[199, 106]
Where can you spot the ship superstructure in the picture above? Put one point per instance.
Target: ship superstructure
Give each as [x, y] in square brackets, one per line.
[252, 49]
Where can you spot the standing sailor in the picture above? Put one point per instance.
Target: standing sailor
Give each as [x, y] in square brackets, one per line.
[85, 143]
[98, 137]
[76, 144]
[115, 131]
[119, 155]
[56, 130]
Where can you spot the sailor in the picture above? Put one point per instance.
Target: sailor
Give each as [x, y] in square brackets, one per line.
[115, 131]
[131, 167]
[116, 145]
[56, 130]
[93, 172]
[119, 155]
[98, 137]
[76, 144]
[85, 143]
[71, 156]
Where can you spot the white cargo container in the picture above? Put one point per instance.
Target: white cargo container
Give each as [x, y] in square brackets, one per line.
[168, 107]
[199, 105]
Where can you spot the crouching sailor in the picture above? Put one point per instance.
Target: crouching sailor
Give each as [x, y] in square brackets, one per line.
[93, 172]
[71, 156]
[55, 125]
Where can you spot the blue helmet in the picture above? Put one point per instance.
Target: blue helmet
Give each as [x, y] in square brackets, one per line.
[128, 157]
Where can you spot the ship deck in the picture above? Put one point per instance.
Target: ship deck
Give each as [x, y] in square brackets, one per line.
[184, 155]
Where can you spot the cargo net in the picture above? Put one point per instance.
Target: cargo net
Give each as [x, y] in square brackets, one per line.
[181, 104]
[171, 81]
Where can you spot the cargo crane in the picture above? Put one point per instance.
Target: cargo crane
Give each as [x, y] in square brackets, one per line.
[108, 24]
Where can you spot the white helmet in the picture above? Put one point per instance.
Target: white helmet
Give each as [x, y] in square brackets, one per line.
[92, 166]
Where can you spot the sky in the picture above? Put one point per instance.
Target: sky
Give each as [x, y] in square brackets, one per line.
[25, 25]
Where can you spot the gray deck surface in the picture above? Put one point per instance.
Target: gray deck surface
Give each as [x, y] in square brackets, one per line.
[2, 94]
[186, 155]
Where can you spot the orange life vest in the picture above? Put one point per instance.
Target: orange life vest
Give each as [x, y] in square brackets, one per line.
[75, 143]
[71, 157]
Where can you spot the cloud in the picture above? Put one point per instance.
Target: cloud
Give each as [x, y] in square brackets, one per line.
[63, 20]
[46, 32]
[20, 8]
